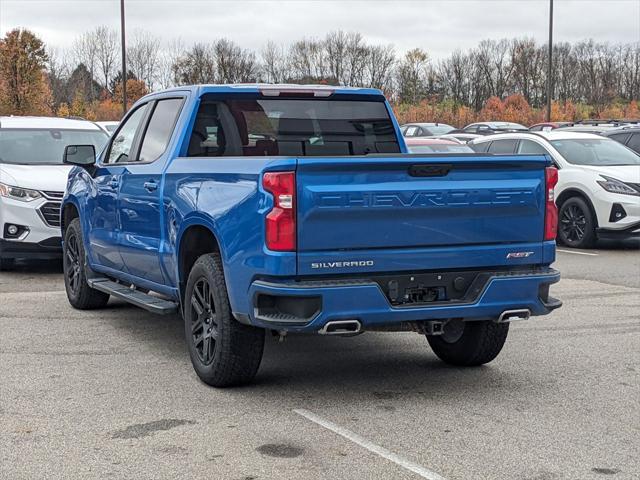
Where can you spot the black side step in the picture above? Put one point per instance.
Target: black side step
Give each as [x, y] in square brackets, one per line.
[135, 297]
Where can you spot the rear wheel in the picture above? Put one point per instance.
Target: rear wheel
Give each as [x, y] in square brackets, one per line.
[576, 224]
[223, 351]
[79, 293]
[468, 344]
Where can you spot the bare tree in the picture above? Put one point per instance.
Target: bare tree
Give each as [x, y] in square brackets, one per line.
[233, 63]
[106, 41]
[143, 57]
[196, 65]
[412, 76]
[381, 62]
[167, 60]
[275, 65]
[85, 51]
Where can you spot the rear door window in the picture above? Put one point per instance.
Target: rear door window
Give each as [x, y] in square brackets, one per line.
[620, 137]
[502, 147]
[530, 147]
[158, 133]
[479, 147]
[250, 125]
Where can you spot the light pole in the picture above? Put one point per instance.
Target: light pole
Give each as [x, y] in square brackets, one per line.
[550, 66]
[124, 59]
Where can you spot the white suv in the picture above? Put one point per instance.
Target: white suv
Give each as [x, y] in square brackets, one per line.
[33, 180]
[598, 191]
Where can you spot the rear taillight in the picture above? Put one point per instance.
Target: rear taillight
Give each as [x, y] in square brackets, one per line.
[280, 223]
[551, 211]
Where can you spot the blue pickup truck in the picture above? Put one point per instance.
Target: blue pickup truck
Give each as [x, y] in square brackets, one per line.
[253, 208]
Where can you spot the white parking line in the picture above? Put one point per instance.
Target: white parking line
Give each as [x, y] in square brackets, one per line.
[364, 443]
[577, 253]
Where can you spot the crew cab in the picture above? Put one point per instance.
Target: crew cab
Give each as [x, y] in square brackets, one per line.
[254, 208]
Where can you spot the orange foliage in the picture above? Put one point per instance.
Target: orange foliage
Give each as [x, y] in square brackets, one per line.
[516, 109]
[135, 90]
[493, 110]
[612, 111]
[107, 109]
[632, 111]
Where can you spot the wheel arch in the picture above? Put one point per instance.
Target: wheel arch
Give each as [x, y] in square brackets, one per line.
[68, 213]
[575, 192]
[196, 240]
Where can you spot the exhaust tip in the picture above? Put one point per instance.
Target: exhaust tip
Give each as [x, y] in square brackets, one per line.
[514, 315]
[341, 327]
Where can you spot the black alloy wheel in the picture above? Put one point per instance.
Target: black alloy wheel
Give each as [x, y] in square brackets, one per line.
[72, 264]
[204, 325]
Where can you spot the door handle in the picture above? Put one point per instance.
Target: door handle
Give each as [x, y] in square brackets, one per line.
[150, 186]
[113, 183]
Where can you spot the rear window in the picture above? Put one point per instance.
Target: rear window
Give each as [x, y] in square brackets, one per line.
[35, 146]
[250, 125]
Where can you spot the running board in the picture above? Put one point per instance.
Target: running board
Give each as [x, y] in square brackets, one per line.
[134, 297]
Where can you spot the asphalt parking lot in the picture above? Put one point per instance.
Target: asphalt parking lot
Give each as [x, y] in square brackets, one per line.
[111, 394]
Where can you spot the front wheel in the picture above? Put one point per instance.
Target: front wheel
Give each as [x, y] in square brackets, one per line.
[576, 224]
[468, 344]
[79, 293]
[223, 351]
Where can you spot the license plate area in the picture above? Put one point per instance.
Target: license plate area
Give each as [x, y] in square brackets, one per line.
[431, 288]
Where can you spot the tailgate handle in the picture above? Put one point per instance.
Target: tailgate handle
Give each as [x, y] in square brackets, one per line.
[429, 170]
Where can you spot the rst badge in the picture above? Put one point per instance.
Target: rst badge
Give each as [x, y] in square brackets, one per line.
[518, 255]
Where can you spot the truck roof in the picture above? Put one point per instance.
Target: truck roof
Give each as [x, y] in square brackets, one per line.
[47, 123]
[270, 87]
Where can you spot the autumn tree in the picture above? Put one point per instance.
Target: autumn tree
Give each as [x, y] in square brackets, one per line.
[135, 90]
[23, 86]
[412, 76]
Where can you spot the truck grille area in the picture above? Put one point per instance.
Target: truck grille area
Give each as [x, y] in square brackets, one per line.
[50, 213]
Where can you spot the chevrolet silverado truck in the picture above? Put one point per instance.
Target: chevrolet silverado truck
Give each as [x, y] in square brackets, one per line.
[254, 208]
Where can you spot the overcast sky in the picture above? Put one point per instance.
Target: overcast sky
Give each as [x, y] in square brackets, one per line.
[435, 25]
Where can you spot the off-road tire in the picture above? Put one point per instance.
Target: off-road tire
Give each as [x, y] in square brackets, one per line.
[233, 350]
[79, 293]
[575, 209]
[479, 343]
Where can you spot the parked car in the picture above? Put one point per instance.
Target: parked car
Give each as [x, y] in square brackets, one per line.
[488, 128]
[545, 126]
[593, 129]
[425, 129]
[628, 136]
[108, 127]
[32, 182]
[436, 145]
[598, 192]
[255, 208]
[459, 136]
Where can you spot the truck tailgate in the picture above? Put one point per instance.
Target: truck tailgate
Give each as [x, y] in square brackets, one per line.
[416, 204]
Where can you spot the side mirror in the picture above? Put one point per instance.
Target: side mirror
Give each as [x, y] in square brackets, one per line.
[82, 155]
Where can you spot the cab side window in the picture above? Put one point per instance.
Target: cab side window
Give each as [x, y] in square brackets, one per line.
[122, 143]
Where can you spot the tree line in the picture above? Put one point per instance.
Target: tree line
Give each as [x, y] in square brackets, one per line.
[590, 78]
